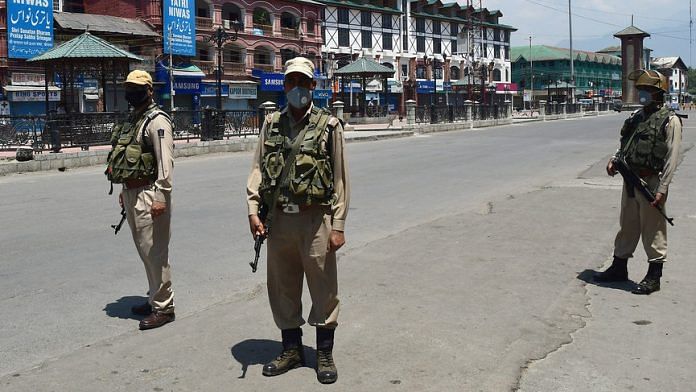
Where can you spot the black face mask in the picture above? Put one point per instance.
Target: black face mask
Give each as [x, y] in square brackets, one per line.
[136, 97]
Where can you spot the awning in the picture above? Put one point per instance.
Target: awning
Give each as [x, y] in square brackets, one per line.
[191, 72]
[506, 88]
[92, 97]
[10, 88]
[103, 24]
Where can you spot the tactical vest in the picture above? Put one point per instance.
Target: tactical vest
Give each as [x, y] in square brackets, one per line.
[310, 179]
[644, 142]
[129, 158]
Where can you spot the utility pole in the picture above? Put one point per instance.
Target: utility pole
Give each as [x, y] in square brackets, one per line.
[531, 74]
[171, 71]
[572, 71]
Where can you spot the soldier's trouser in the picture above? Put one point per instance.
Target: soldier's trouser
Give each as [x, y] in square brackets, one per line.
[641, 220]
[297, 247]
[151, 237]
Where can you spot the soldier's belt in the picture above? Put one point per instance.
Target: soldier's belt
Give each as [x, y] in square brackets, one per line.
[292, 208]
[132, 184]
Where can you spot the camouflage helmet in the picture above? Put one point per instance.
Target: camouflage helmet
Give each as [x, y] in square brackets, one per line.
[649, 78]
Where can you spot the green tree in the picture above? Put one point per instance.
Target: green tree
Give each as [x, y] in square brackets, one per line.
[691, 73]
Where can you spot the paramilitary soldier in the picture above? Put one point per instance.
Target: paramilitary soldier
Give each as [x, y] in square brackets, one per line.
[142, 160]
[650, 143]
[300, 174]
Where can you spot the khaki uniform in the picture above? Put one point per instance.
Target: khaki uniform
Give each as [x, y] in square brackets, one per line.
[638, 218]
[298, 242]
[151, 235]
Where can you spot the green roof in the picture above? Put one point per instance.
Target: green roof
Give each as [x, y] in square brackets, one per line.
[83, 47]
[546, 53]
[360, 6]
[364, 66]
[475, 22]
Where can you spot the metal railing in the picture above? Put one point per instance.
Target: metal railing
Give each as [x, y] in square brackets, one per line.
[92, 129]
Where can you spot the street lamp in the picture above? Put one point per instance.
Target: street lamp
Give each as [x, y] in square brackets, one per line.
[220, 36]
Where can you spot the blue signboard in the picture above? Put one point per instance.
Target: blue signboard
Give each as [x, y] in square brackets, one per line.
[447, 86]
[425, 86]
[29, 27]
[187, 85]
[180, 27]
[210, 89]
[272, 81]
[321, 94]
[355, 87]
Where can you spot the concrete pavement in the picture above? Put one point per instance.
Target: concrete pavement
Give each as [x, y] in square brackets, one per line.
[481, 288]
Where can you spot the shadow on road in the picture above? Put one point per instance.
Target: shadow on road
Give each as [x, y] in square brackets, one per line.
[261, 351]
[587, 276]
[122, 307]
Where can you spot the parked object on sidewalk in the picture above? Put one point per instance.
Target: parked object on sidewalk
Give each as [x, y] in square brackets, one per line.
[647, 159]
[24, 154]
[299, 173]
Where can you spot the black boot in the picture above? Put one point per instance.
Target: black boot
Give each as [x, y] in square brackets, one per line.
[617, 272]
[651, 282]
[291, 357]
[326, 368]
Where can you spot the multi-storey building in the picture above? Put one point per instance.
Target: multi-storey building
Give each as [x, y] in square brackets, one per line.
[430, 44]
[675, 69]
[546, 71]
[271, 33]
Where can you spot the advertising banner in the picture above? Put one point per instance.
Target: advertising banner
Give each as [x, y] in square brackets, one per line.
[210, 90]
[34, 96]
[242, 91]
[180, 19]
[272, 81]
[425, 86]
[29, 27]
[187, 85]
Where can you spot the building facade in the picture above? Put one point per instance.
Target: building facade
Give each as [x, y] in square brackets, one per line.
[546, 70]
[675, 69]
[441, 51]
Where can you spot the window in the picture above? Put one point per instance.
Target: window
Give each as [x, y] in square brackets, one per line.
[420, 44]
[404, 69]
[386, 21]
[437, 45]
[366, 18]
[438, 70]
[420, 72]
[496, 35]
[453, 46]
[485, 50]
[367, 39]
[497, 75]
[343, 37]
[496, 51]
[404, 41]
[507, 53]
[343, 15]
[386, 41]
[437, 29]
[454, 29]
[454, 73]
[310, 26]
[506, 35]
[420, 25]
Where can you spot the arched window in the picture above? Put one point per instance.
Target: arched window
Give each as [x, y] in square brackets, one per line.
[262, 17]
[233, 54]
[287, 54]
[263, 56]
[231, 13]
[288, 21]
[454, 73]
[497, 75]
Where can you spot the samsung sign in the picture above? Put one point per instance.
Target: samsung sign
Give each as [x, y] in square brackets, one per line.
[272, 81]
[187, 86]
[29, 27]
[180, 27]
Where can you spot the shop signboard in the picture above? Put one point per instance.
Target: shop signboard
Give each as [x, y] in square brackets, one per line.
[425, 86]
[29, 27]
[210, 90]
[187, 85]
[242, 91]
[321, 94]
[272, 81]
[179, 27]
[34, 96]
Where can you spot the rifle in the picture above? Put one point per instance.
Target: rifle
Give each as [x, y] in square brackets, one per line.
[120, 223]
[258, 242]
[636, 182]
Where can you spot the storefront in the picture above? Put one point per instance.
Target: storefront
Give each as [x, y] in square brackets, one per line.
[187, 86]
[31, 100]
[425, 90]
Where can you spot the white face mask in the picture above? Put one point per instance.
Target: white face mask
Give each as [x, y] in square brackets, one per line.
[299, 97]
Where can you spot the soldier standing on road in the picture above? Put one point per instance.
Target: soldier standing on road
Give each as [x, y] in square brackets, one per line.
[307, 217]
[142, 159]
[650, 143]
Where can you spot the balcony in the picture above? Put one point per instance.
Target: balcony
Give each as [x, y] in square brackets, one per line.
[287, 32]
[265, 67]
[204, 23]
[234, 68]
[207, 66]
[266, 30]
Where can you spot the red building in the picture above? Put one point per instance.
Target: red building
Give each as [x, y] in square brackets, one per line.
[272, 33]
